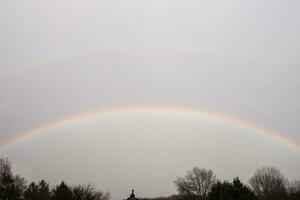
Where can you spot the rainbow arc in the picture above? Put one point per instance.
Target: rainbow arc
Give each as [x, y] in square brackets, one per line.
[194, 113]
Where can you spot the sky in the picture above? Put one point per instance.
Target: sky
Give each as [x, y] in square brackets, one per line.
[60, 58]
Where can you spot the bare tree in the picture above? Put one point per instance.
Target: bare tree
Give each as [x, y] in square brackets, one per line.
[294, 187]
[197, 181]
[19, 186]
[89, 193]
[294, 190]
[269, 184]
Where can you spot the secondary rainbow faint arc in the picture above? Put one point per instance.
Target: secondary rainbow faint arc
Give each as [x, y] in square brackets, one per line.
[73, 119]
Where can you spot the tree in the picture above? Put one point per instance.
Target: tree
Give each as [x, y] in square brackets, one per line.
[88, 193]
[197, 182]
[269, 184]
[294, 190]
[20, 186]
[11, 187]
[229, 191]
[62, 192]
[44, 190]
[6, 179]
[31, 193]
[39, 191]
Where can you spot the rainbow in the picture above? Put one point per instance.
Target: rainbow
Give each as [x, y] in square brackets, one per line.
[194, 113]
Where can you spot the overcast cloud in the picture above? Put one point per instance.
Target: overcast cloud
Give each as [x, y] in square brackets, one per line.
[61, 57]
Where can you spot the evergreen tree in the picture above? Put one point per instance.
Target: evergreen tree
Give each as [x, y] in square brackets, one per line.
[11, 187]
[62, 192]
[31, 193]
[44, 191]
[39, 191]
[231, 191]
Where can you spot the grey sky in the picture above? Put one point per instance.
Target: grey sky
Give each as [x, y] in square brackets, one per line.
[58, 58]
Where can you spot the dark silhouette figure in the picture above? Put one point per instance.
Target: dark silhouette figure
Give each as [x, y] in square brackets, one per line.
[132, 196]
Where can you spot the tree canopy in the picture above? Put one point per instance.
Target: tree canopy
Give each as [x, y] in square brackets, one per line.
[228, 191]
[267, 183]
[13, 187]
[197, 182]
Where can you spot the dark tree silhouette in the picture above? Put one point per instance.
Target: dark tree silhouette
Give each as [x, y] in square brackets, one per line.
[20, 186]
[62, 192]
[269, 184]
[197, 182]
[231, 191]
[39, 191]
[11, 187]
[31, 193]
[294, 190]
[44, 190]
[88, 193]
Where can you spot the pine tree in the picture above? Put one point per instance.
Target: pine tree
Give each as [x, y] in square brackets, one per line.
[62, 192]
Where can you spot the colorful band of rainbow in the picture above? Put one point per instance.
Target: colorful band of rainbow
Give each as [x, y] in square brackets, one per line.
[85, 116]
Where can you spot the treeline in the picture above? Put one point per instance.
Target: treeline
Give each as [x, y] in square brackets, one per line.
[267, 183]
[198, 184]
[14, 187]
